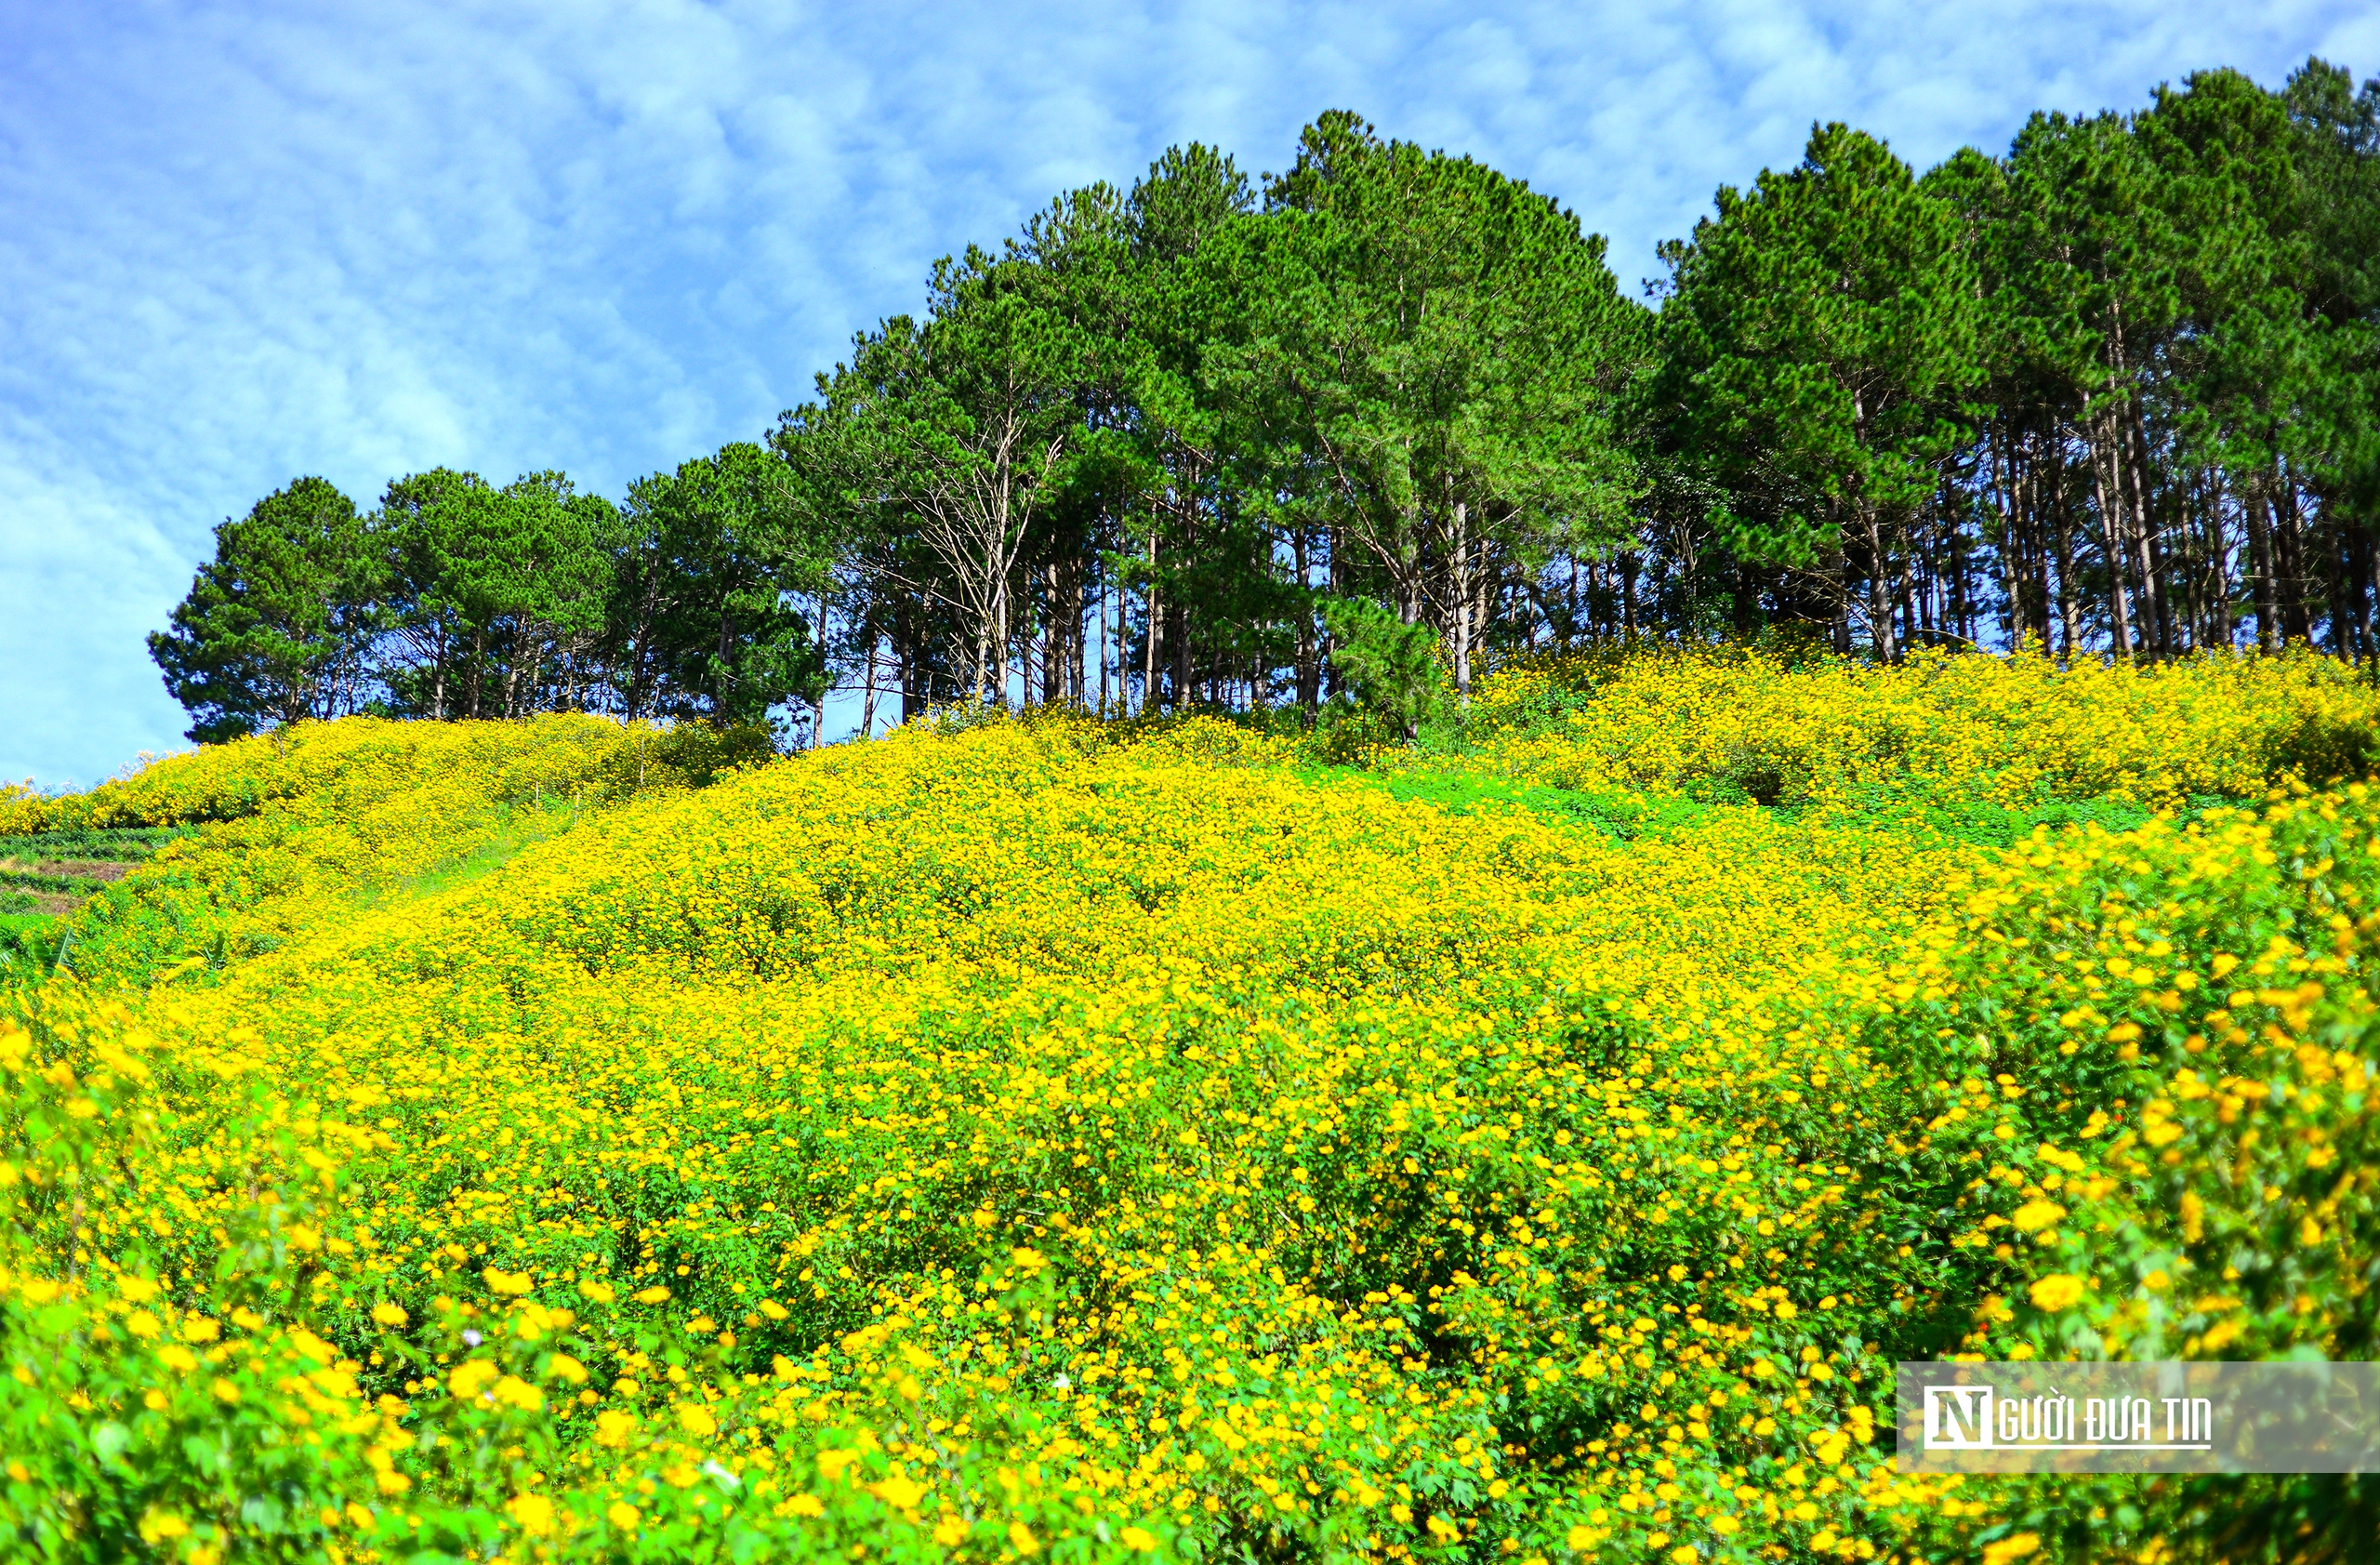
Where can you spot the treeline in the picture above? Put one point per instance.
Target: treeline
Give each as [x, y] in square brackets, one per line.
[1221, 439]
[455, 598]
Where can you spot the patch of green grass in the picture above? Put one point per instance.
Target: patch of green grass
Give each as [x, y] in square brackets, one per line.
[517, 826]
[33, 923]
[1622, 815]
[1986, 824]
[19, 882]
[28, 945]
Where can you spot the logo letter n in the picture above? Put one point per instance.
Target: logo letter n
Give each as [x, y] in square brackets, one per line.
[1957, 1418]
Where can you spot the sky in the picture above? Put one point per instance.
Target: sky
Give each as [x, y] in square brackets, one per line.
[242, 244]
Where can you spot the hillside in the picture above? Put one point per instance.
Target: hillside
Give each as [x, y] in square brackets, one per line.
[1026, 1134]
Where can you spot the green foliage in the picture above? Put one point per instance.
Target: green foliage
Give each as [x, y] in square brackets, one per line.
[117, 844]
[29, 945]
[496, 597]
[1443, 347]
[2113, 391]
[955, 432]
[1392, 667]
[276, 625]
[689, 755]
[44, 876]
[1615, 816]
[699, 599]
[1820, 330]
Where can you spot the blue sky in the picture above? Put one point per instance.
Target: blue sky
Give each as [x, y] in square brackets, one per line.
[240, 244]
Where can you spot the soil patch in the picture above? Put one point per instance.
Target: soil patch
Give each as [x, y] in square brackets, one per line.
[88, 869]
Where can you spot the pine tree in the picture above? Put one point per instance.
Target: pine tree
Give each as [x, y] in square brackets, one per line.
[276, 626]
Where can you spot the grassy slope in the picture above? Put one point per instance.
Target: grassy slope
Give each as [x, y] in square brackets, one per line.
[886, 1016]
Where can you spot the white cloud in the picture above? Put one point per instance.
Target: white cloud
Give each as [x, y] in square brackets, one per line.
[238, 244]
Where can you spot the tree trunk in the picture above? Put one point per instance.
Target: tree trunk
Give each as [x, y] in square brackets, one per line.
[1461, 560]
[2012, 568]
[1178, 693]
[2060, 522]
[2268, 630]
[1880, 586]
[1309, 659]
[906, 652]
[2358, 574]
[2367, 589]
[2289, 532]
[1156, 617]
[1485, 607]
[2221, 629]
[868, 698]
[2131, 443]
[2111, 530]
[522, 637]
[1077, 595]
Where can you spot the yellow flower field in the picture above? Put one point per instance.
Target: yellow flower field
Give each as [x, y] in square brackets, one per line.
[1999, 729]
[1040, 1136]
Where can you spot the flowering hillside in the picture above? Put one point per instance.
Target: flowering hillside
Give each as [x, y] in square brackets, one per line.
[1036, 1136]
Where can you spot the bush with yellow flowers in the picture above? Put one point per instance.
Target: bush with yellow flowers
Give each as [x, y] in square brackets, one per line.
[1039, 1136]
[1786, 728]
[303, 823]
